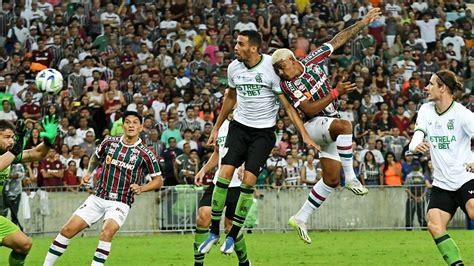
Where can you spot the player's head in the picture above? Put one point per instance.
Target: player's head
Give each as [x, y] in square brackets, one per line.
[442, 84]
[248, 44]
[7, 135]
[284, 62]
[132, 124]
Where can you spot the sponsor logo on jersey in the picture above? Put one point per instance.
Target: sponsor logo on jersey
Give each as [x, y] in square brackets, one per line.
[118, 163]
[442, 142]
[471, 192]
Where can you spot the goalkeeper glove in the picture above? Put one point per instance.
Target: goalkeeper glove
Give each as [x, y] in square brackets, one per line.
[50, 127]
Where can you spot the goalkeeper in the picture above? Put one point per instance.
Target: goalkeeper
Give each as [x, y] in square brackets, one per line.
[11, 147]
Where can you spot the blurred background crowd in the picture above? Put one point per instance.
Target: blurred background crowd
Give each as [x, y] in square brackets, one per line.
[168, 60]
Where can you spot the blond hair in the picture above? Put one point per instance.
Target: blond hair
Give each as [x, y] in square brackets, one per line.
[282, 54]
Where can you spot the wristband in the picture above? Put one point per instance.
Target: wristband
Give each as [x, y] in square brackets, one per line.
[334, 94]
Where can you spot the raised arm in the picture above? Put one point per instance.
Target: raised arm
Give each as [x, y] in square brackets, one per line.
[346, 34]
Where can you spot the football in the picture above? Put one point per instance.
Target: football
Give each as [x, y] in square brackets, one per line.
[49, 80]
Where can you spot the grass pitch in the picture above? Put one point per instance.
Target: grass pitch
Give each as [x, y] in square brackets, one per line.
[328, 248]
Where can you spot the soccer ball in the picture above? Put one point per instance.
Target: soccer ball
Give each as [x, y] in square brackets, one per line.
[49, 80]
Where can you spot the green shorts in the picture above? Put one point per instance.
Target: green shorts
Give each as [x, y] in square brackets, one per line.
[7, 228]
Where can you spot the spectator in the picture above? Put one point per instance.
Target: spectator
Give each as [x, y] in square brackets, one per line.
[89, 145]
[34, 139]
[187, 138]
[30, 110]
[189, 168]
[70, 180]
[7, 113]
[416, 190]
[379, 158]
[400, 121]
[362, 129]
[65, 155]
[395, 143]
[276, 179]
[52, 171]
[275, 160]
[169, 156]
[370, 172]
[310, 173]
[292, 171]
[72, 138]
[392, 170]
[170, 132]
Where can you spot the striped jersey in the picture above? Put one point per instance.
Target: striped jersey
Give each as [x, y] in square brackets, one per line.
[257, 104]
[123, 165]
[314, 83]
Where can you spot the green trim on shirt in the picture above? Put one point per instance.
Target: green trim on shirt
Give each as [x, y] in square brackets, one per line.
[447, 110]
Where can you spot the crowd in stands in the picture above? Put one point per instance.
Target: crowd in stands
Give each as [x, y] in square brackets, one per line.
[168, 61]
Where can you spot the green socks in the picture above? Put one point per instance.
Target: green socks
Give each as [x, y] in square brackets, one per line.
[241, 249]
[448, 248]
[219, 196]
[242, 209]
[200, 235]
[16, 259]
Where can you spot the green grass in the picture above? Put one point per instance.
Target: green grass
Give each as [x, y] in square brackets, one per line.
[328, 248]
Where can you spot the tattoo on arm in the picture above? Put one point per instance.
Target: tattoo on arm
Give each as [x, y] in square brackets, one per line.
[345, 35]
[93, 163]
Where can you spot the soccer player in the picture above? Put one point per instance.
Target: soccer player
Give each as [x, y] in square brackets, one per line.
[12, 152]
[306, 84]
[255, 87]
[203, 219]
[448, 128]
[126, 161]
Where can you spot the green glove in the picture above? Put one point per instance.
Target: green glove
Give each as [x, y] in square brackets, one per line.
[50, 127]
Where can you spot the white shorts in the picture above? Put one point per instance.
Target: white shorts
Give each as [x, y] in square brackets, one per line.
[95, 208]
[318, 130]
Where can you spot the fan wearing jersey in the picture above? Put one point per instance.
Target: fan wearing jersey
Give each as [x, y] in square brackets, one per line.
[445, 128]
[125, 162]
[308, 87]
[255, 88]
[203, 219]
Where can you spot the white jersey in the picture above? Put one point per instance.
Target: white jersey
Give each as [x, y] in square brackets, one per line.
[221, 138]
[449, 136]
[256, 87]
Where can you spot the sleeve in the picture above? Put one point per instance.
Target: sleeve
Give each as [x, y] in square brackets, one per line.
[276, 81]
[295, 97]
[230, 79]
[100, 151]
[152, 165]
[420, 122]
[468, 124]
[318, 55]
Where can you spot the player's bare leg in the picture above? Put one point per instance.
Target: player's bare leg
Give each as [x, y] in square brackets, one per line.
[219, 196]
[73, 226]
[316, 197]
[437, 223]
[341, 132]
[107, 233]
[20, 245]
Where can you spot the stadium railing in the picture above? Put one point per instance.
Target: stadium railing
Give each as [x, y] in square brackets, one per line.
[173, 209]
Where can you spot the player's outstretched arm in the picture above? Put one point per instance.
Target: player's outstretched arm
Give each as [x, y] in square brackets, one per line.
[230, 98]
[346, 34]
[210, 164]
[295, 118]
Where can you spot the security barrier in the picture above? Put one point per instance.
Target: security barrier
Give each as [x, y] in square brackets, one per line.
[173, 209]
